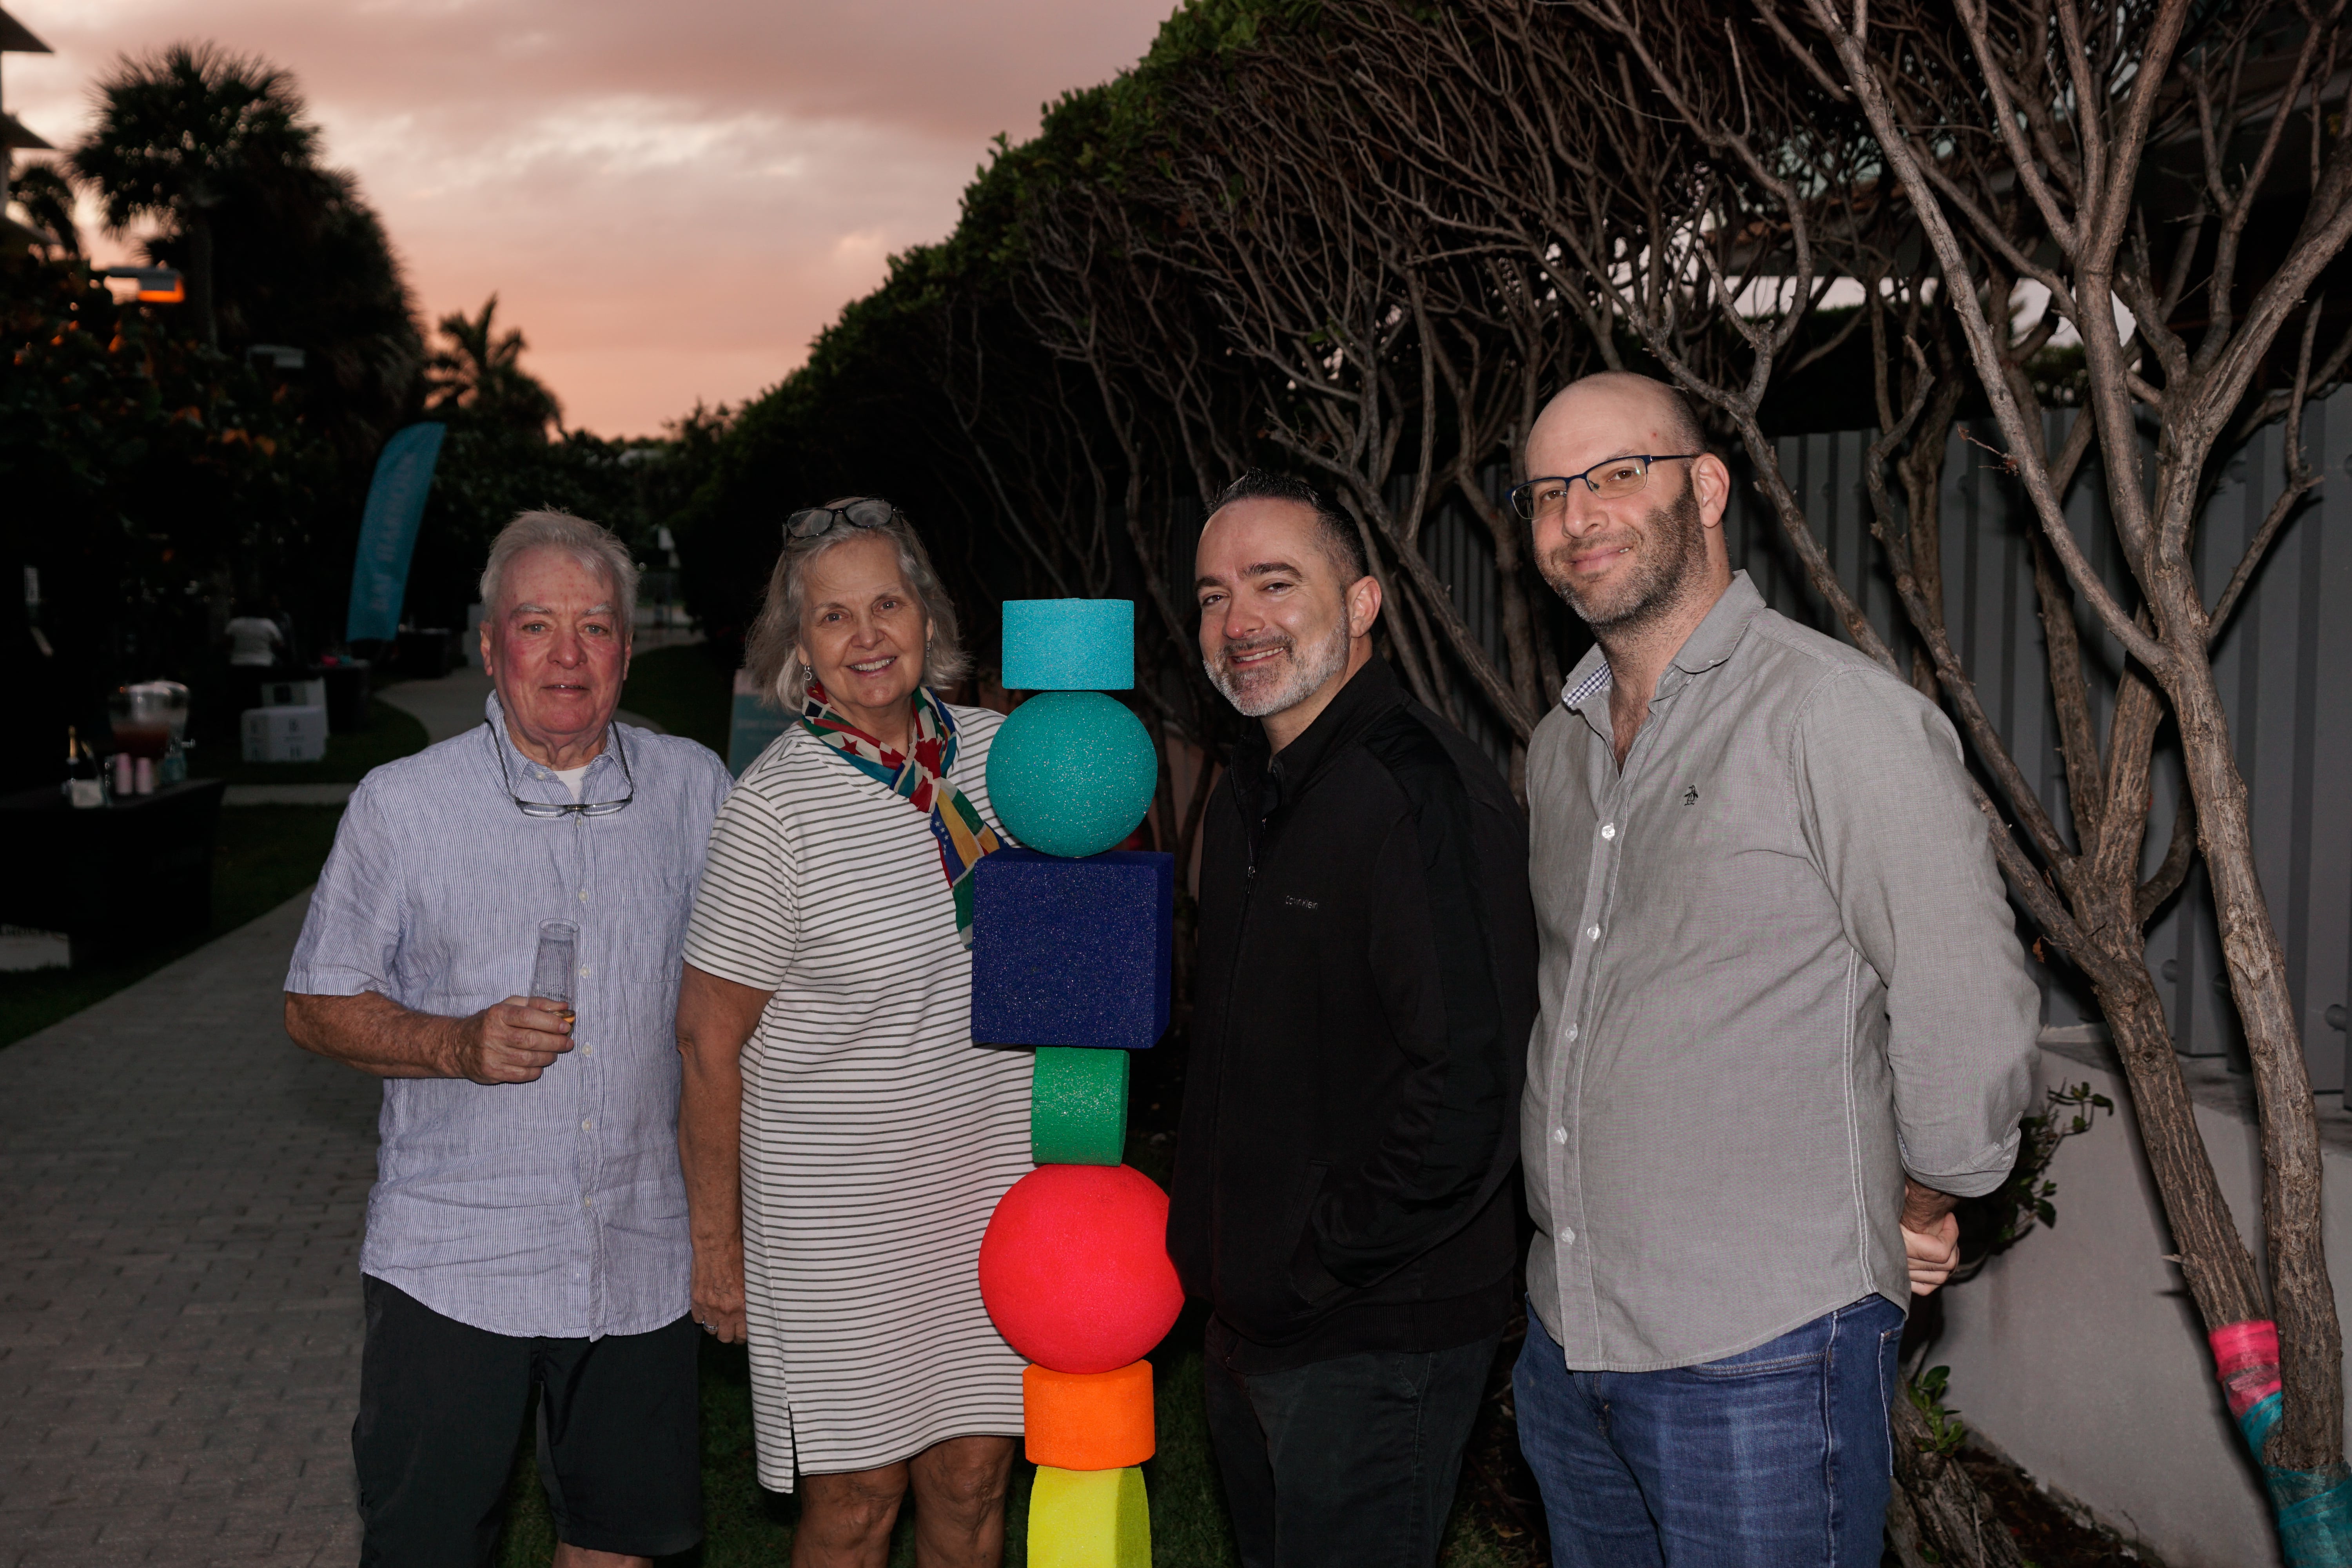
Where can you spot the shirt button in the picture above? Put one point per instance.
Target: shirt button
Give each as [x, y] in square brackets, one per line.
[586, 1124]
[1571, 1033]
[587, 1203]
[587, 1050]
[1608, 830]
[583, 968]
[1559, 1134]
[584, 895]
[1566, 1237]
[1591, 932]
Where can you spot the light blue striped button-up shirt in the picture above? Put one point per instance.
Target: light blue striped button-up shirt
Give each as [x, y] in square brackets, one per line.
[554, 1207]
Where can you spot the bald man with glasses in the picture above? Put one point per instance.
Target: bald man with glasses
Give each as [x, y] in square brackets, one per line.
[1786, 1025]
[527, 1226]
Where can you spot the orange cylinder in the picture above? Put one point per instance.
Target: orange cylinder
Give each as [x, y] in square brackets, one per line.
[1088, 1420]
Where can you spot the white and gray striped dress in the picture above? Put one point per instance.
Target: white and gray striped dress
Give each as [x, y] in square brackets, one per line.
[876, 1138]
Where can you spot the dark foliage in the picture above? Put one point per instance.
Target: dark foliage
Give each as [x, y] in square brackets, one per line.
[151, 481]
[277, 248]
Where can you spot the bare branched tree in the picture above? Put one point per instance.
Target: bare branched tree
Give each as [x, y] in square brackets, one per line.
[2049, 165]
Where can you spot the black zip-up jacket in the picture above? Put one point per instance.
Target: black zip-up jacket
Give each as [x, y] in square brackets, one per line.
[1365, 983]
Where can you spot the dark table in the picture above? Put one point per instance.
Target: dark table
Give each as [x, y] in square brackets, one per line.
[424, 653]
[113, 878]
[347, 694]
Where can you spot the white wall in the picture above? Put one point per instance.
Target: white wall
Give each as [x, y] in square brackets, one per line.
[2079, 1352]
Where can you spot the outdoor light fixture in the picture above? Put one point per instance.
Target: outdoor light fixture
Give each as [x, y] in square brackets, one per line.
[157, 285]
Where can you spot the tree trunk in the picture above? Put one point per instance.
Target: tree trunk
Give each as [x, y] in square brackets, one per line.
[2310, 1433]
[2213, 1258]
[200, 279]
[1938, 1516]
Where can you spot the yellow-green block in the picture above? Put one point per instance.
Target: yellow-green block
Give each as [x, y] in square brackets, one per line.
[1089, 1519]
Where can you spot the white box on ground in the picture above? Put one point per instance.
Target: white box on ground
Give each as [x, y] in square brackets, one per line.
[286, 734]
[22, 947]
[294, 693]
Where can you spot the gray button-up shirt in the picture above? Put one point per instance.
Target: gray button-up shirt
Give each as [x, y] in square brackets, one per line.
[1778, 972]
[554, 1207]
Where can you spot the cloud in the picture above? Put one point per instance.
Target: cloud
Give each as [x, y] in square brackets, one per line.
[669, 200]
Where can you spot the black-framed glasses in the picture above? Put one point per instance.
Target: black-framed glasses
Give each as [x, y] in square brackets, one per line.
[871, 511]
[1540, 498]
[545, 809]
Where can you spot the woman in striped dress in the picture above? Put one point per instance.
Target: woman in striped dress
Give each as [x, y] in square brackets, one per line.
[825, 1024]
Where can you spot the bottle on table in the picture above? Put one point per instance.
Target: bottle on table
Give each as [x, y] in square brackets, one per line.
[83, 785]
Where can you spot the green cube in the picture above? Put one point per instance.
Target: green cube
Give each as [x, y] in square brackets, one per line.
[1077, 1106]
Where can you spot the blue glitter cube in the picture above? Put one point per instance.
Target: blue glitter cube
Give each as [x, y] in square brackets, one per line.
[1072, 952]
[1069, 645]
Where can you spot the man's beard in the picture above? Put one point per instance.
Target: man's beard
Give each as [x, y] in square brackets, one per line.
[1280, 683]
[1673, 555]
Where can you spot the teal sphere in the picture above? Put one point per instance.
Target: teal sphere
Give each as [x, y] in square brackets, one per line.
[1071, 773]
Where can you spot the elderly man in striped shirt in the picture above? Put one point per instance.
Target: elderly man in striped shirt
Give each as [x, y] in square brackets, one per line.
[527, 1231]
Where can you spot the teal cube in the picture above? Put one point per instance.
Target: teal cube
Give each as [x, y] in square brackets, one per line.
[1069, 645]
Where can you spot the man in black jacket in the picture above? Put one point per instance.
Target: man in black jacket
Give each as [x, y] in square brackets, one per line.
[1360, 1030]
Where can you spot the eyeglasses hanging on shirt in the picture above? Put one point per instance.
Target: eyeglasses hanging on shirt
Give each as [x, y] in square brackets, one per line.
[548, 808]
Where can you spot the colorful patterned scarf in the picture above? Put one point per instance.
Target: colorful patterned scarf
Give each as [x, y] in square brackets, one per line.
[921, 779]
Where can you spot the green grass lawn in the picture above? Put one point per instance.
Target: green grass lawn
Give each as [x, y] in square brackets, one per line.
[390, 733]
[687, 690]
[262, 856]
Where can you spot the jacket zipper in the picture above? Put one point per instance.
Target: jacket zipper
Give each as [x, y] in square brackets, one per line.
[1241, 941]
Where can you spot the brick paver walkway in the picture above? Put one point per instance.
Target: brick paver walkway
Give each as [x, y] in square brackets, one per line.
[181, 1199]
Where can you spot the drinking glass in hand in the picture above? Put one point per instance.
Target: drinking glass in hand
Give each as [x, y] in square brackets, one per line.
[551, 970]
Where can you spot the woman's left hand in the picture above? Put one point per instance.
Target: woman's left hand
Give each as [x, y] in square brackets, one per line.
[715, 1017]
[718, 1291]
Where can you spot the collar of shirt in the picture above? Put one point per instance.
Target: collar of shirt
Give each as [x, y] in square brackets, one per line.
[1585, 693]
[535, 781]
[1258, 775]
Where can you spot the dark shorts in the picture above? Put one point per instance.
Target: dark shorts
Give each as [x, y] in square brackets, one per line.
[441, 1407]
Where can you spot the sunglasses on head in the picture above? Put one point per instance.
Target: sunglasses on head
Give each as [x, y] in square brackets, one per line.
[872, 512]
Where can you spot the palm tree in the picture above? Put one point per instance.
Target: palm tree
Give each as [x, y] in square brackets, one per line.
[182, 133]
[278, 248]
[480, 374]
[49, 202]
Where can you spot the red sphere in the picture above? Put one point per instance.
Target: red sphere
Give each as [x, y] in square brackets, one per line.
[1075, 1267]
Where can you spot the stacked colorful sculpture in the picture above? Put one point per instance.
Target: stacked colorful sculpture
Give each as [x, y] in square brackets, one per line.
[1070, 955]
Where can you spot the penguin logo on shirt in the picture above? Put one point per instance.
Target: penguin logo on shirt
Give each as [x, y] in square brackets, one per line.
[1690, 795]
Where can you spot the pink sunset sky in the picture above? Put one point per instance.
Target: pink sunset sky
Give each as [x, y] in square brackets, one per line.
[669, 199]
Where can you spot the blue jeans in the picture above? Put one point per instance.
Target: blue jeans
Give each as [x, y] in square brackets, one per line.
[1781, 1457]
